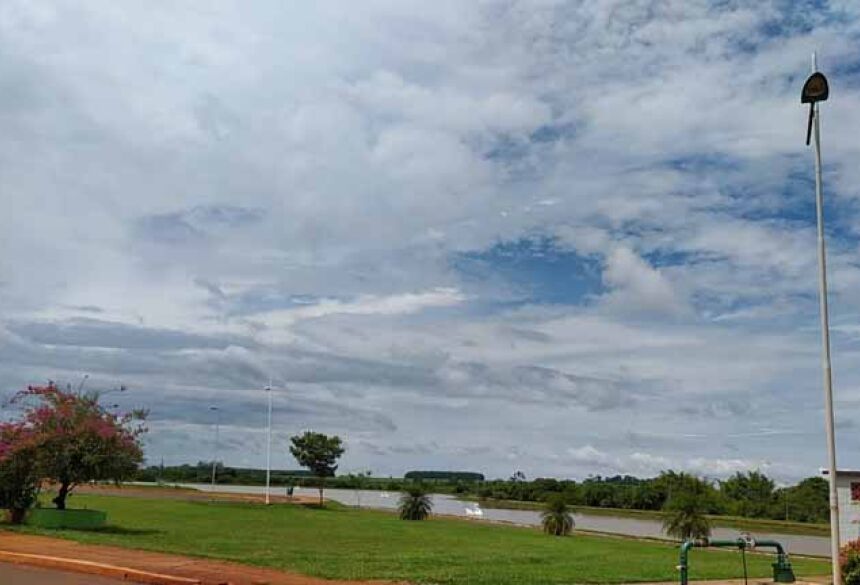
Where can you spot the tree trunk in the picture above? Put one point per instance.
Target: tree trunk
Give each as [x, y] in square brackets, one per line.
[60, 500]
[16, 515]
[322, 487]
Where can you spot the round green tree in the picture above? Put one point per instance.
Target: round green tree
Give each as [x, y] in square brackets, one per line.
[319, 453]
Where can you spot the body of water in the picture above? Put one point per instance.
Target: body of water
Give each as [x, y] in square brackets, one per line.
[449, 505]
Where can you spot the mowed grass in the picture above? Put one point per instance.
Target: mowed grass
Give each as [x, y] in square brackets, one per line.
[346, 543]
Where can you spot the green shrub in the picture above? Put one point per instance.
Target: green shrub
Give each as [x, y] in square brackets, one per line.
[19, 483]
[415, 503]
[556, 517]
[849, 563]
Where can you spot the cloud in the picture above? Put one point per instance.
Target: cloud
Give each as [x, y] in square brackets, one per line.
[486, 235]
[83, 333]
[636, 286]
[366, 305]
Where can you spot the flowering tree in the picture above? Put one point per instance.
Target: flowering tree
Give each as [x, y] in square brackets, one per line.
[76, 440]
[19, 482]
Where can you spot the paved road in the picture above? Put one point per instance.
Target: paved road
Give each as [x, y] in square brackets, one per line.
[21, 575]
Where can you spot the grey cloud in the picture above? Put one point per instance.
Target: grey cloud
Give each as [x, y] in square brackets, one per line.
[246, 408]
[537, 384]
[726, 408]
[86, 308]
[168, 228]
[85, 332]
[194, 225]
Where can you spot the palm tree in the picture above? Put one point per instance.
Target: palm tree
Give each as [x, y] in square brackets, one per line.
[415, 503]
[684, 516]
[557, 517]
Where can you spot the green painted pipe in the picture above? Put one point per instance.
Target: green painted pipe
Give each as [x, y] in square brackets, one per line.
[682, 567]
[782, 572]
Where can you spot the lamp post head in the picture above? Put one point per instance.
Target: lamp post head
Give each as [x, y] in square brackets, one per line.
[816, 89]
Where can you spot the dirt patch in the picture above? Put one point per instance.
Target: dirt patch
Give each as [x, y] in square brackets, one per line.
[187, 494]
[209, 572]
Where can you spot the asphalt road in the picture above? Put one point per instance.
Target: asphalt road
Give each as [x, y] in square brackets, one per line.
[21, 575]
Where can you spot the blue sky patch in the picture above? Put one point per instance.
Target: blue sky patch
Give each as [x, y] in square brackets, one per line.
[533, 269]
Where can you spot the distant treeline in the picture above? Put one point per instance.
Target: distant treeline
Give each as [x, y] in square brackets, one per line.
[202, 473]
[444, 481]
[450, 476]
[751, 494]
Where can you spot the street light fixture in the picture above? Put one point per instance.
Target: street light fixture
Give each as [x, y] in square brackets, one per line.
[816, 89]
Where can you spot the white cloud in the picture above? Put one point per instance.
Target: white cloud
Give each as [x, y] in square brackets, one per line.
[228, 193]
[368, 305]
[636, 287]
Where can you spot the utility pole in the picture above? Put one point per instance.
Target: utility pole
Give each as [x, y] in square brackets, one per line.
[217, 412]
[816, 90]
[269, 444]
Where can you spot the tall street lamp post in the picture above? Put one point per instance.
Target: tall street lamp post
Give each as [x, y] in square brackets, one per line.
[217, 412]
[269, 443]
[816, 90]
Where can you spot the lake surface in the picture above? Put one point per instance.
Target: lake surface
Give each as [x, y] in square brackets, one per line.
[449, 505]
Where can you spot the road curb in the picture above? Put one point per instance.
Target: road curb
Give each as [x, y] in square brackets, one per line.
[93, 568]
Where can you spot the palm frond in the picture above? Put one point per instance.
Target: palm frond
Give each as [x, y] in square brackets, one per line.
[557, 517]
[415, 504]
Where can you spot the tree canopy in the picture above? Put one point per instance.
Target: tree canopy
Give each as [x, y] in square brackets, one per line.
[72, 439]
[751, 494]
[319, 453]
[684, 515]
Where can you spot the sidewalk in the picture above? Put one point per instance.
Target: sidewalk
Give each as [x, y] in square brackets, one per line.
[208, 572]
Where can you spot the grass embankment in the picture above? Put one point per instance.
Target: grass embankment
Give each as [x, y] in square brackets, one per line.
[739, 522]
[346, 543]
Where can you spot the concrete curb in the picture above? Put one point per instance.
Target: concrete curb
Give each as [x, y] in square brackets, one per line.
[93, 568]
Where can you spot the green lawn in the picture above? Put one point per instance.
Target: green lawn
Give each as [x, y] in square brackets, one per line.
[360, 544]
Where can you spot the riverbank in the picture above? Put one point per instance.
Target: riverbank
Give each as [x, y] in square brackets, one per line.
[738, 522]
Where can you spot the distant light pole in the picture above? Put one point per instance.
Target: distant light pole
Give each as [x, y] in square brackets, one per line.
[269, 443]
[122, 388]
[215, 454]
[816, 90]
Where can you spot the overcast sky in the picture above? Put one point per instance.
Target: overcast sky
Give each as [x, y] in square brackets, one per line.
[567, 238]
